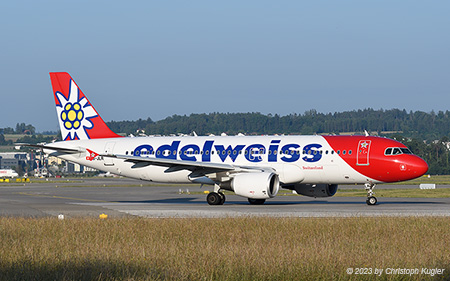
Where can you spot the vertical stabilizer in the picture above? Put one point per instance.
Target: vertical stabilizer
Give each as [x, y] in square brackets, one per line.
[78, 120]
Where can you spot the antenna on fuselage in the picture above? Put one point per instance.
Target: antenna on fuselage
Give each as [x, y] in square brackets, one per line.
[366, 133]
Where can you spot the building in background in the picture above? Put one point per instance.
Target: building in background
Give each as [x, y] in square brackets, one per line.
[30, 163]
[12, 160]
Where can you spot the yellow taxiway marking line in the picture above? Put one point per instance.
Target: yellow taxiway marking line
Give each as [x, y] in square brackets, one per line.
[62, 197]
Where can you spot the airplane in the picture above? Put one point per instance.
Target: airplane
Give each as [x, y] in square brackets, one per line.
[8, 173]
[254, 167]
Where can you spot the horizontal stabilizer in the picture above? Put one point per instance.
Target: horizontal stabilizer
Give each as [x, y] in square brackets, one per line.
[49, 147]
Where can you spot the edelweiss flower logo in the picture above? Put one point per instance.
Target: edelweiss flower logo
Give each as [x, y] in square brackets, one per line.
[72, 116]
[75, 114]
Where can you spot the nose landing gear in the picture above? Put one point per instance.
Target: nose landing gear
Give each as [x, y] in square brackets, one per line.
[371, 200]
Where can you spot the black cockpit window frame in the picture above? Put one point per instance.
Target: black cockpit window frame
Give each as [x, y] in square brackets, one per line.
[396, 151]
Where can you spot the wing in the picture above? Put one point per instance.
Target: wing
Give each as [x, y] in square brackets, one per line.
[198, 169]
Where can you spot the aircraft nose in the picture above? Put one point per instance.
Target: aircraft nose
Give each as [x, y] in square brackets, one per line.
[418, 166]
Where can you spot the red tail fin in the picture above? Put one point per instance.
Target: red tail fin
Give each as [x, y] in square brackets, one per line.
[78, 119]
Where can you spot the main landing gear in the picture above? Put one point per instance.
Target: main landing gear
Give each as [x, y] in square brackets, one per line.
[216, 197]
[371, 200]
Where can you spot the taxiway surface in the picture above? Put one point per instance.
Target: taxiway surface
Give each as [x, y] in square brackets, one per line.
[125, 197]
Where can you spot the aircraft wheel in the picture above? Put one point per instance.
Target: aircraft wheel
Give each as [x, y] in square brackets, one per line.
[371, 201]
[222, 198]
[256, 201]
[214, 198]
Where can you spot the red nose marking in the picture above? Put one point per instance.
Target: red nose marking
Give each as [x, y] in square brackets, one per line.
[419, 166]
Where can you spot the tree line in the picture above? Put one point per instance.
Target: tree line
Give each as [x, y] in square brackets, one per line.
[426, 134]
[29, 132]
[21, 128]
[418, 124]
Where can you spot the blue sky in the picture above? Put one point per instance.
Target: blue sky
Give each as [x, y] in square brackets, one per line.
[140, 59]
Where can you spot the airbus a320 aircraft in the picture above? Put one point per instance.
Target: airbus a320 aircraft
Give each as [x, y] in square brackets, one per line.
[255, 167]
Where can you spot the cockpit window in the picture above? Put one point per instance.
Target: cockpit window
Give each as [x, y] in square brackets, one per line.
[397, 151]
[405, 150]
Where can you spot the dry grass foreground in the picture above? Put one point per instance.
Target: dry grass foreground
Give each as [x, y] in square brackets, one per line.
[222, 249]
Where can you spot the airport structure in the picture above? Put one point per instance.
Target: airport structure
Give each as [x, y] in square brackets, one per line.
[11, 160]
[30, 163]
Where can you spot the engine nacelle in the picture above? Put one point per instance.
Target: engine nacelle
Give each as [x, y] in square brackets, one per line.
[256, 185]
[314, 190]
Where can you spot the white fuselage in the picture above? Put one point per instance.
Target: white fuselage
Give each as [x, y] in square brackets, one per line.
[8, 173]
[306, 159]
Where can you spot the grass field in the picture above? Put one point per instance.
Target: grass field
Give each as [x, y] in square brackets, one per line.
[436, 179]
[222, 249]
[15, 137]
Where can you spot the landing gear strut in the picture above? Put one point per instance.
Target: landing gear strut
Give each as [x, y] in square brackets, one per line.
[216, 197]
[371, 200]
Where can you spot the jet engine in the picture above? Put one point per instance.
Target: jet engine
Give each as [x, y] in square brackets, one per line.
[262, 185]
[314, 190]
